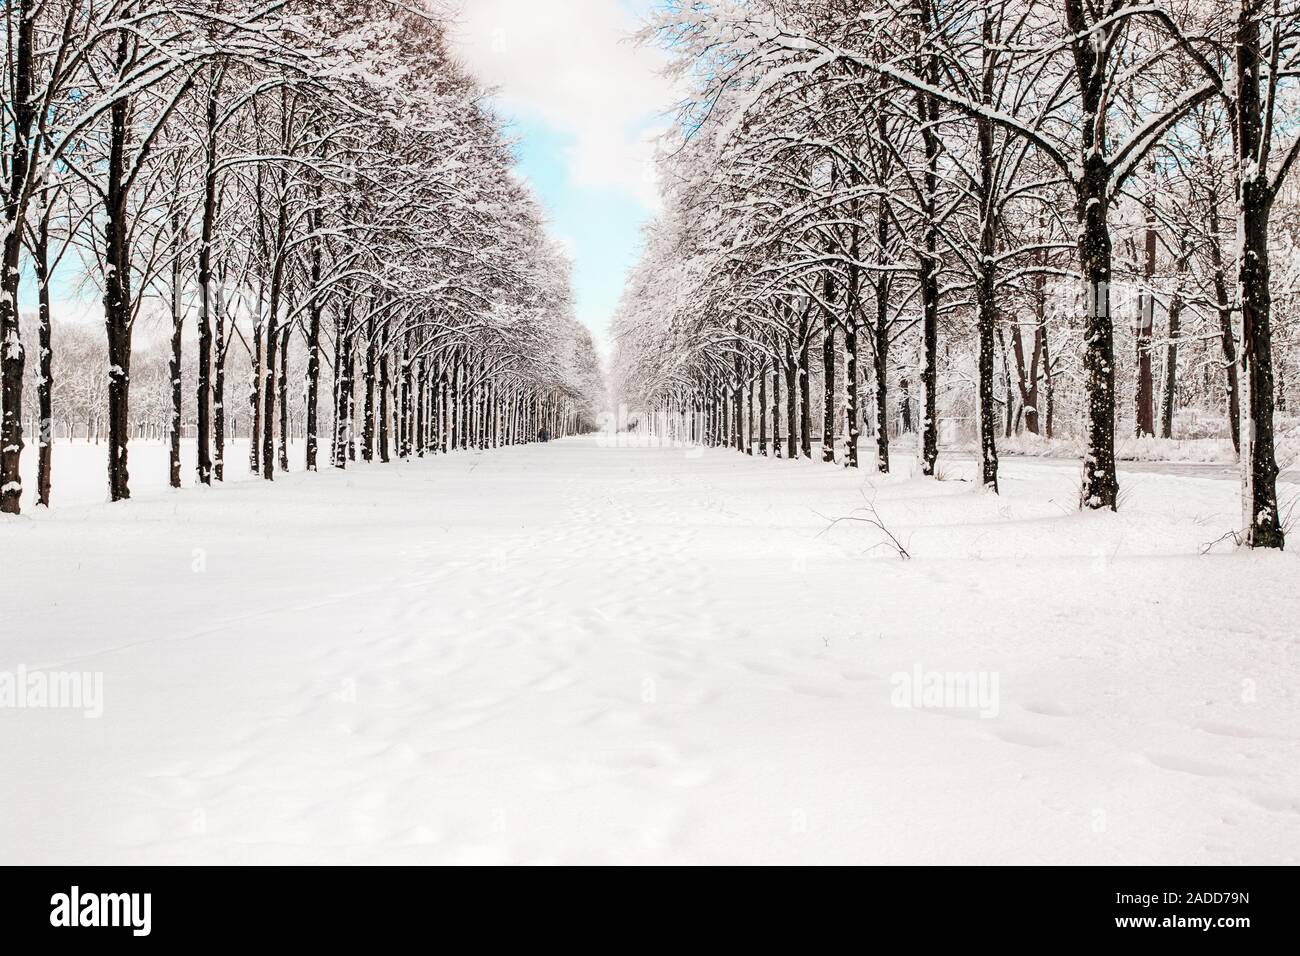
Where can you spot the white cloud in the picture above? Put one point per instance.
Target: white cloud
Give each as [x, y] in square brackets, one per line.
[572, 65]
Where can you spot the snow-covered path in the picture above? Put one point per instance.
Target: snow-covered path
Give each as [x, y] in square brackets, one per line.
[578, 653]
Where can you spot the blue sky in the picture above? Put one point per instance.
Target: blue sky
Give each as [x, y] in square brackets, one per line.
[599, 225]
[585, 103]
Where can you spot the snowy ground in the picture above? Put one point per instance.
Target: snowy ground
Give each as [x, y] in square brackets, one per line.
[571, 652]
[80, 468]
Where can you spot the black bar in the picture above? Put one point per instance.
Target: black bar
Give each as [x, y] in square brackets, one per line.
[919, 907]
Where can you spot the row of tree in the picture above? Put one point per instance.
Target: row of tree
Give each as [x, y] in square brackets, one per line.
[953, 197]
[267, 177]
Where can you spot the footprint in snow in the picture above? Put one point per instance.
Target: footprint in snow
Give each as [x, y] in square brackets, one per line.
[1048, 708]
[1277, 802]
[1233, 730]
[856, 675]
[1027, 738]
[1199, 768]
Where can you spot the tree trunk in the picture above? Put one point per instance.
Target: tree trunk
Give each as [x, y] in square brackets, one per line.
[986, 308]
[1049, 384]
[178, 317]
[207, 229]
[738, 399]
[791, 404]
[283, 444]
[350, 434]
[420, 389]
[928, 268]
[1100, 484]
[1144, 397]
[1010, 403]
[1092, 206]
[828, 370]
[45, 382]
[269, 377]
[852, 310]
[776, 408]
[338, 454]
[880, 356]
[986, 312]
[467, 404]
[805, 389]
[438, 405]
[384, 414]
[12, 355]
[117, 296]
[454, 422]
[45, 379]
[368, 411]
[255, 401]
[313, 342]
[404, 430]
[1261, 518]
[1169, 393]
[219, 391]
[1027, 369]
[724, 432]
[444, 399]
